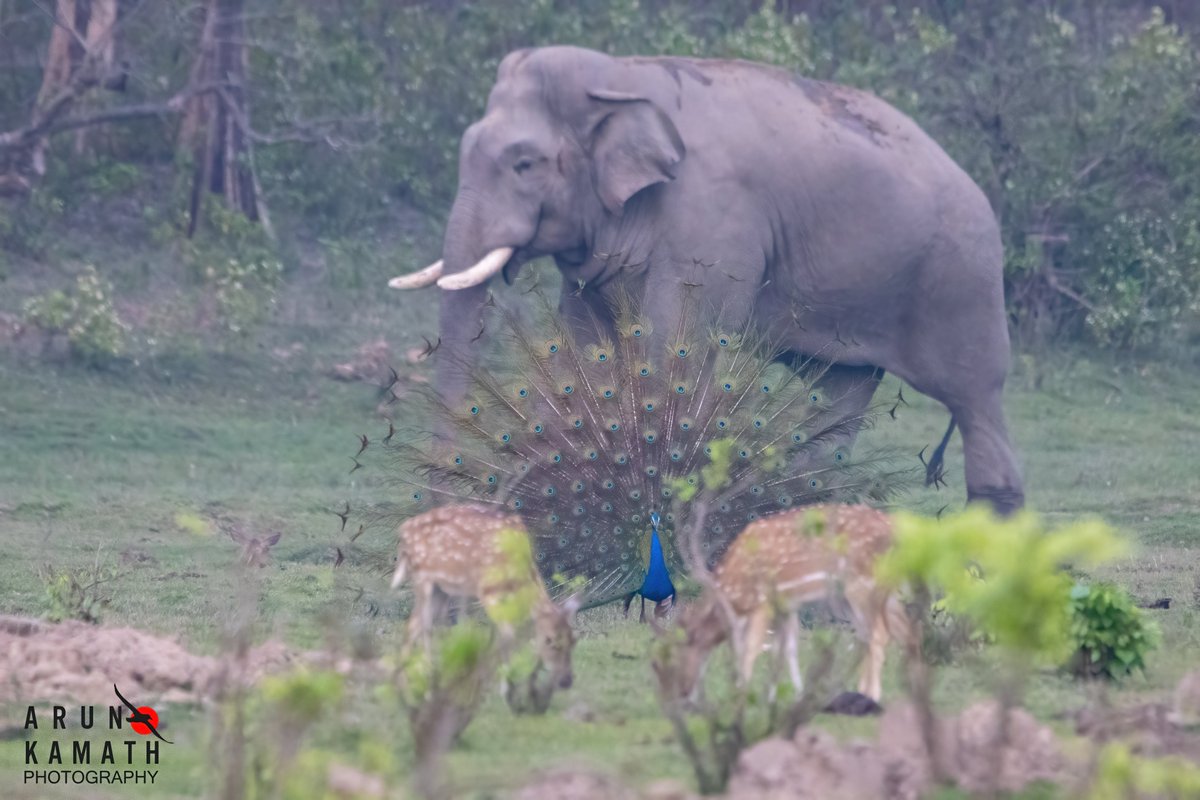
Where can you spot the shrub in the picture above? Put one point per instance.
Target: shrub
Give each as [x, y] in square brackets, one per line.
[85, 315]
[1111, 636]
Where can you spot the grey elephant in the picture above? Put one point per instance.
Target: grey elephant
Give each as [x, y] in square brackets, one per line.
[813, 213]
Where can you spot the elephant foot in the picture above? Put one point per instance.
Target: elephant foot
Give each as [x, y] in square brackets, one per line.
[1003, 501]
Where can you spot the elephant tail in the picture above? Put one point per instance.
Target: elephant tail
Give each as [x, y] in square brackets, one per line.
[935, 467]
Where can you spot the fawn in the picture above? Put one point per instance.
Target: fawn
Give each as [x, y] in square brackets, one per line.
[784, 561]
[471, 550]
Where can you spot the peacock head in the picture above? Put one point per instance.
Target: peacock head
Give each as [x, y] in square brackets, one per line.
[655, 520]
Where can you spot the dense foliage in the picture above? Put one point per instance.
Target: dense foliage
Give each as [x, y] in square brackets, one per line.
[1111, 635]
[1079, 119]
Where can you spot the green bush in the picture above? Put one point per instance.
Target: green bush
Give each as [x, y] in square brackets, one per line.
[1112, 638]
[85, 315]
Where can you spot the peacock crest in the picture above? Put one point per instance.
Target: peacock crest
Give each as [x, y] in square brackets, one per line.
[590, 440]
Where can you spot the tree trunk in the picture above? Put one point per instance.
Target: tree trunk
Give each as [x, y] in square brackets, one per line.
[216, 126]
[99, 39]
[57, 74]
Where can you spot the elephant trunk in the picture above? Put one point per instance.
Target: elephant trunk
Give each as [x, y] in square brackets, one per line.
[461, 311]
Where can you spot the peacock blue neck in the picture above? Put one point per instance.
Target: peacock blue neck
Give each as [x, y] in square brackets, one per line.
[657, 586]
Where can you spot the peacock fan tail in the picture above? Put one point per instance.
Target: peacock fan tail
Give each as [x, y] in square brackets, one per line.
[586, 440]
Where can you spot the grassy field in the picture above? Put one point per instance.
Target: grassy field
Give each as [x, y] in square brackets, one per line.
[117, 467]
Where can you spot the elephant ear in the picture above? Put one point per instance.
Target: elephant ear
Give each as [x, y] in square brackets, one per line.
[633, 145]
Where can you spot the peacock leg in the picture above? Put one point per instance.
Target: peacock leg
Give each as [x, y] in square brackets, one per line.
[628, 602]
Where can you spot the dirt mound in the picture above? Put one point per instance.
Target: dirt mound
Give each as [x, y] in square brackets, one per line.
[76, 662]
[567, 784]
[815, 765]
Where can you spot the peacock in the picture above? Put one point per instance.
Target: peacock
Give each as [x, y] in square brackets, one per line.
[605, 443]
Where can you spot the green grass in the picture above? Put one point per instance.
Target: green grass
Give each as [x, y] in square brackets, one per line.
[117, 467]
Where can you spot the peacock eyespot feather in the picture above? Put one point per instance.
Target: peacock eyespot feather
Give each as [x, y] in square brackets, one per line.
[838, 455]
[550, 491]
[798, 437]
[691, 480]
[676, 455]
[608, 393]
[538, 428]
[649, 407]
[759, 423]
[744, 453]
[522, 392]
[650, 437]
[592, 455]
[505, 438]
[567, 388]
[580, 511]
[552, 347]
[708, 450]
[765, 388]
[491, 479]
[670, 518]
[814, 483]
[644, 372]
[681, 389]
[618, 530]
[523, 468]
[722, 423]
[636, 494]
[814, 398]
[556, 458]
[608, 484]
[474, 411]
[458, 460]
[621, 459]
[724, 508]
[651, 471]
[577, 422]
[416, 495]
[602, 357]
[578, 486]
[756, 490]
[607, 508]
[614, 426]
[685, 425]
[727, 386]
[723, 341]
[682, 352]
[666, 492]
[585, 531]
[517, 504]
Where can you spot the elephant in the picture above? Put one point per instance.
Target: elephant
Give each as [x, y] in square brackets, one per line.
[813, 213]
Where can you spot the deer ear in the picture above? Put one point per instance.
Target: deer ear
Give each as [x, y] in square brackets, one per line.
[633, 145]
[273, 539]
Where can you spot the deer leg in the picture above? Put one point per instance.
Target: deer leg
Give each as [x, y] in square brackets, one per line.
[871, 677]
[752, 642]
[791, 636]
[642, 616]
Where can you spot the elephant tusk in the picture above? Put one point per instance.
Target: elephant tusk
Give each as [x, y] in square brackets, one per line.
[418, 280]
[488, 266]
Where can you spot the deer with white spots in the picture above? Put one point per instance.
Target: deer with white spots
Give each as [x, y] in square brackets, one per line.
[782, 562]
[473, 551]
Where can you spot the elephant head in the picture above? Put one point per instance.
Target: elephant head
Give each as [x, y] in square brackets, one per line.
[562, 147]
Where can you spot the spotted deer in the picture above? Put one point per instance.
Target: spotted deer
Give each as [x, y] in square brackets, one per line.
[781, 562]
[474, 551]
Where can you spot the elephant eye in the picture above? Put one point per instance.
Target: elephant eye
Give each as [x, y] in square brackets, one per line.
[523, 165]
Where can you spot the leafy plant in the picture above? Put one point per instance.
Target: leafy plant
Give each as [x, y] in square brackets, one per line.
[1121, 774]
[85, 315]
[1111, 635]
[1023, 600]
[79, 594]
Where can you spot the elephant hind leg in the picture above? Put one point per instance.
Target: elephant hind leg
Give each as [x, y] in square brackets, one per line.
[993, 474]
